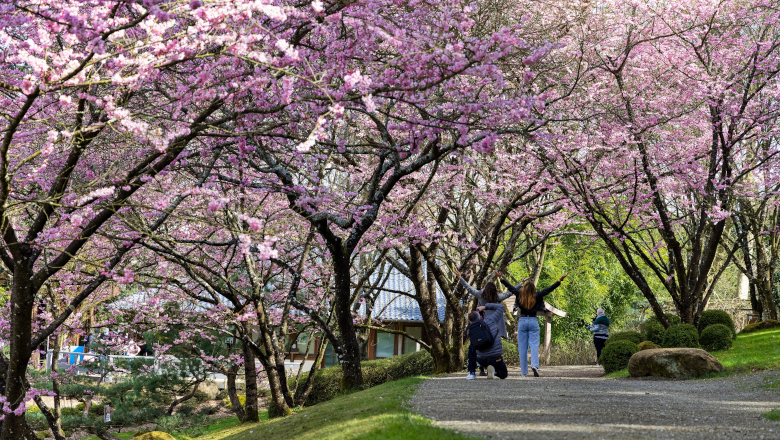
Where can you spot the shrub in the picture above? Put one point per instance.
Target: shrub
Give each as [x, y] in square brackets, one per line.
[683, 335]
[647, 345]
[615, 356]
[711, 317]
[763, 325]
[653, 331]
[327, 382]
[241, 399]
[673, 319]
[632, 336]
[716, 337]
[221, 394]
[511, 356]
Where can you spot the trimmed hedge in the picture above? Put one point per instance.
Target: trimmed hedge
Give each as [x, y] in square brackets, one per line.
[683, 335]
[327, 382]
[629, 335]
[711, 317]
[716, 337]
[758, 326]
[511, 356]
[615, 356]
[653, 331]
[648, 345]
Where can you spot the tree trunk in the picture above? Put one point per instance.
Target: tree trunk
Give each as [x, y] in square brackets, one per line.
[235, 403]
[250, 376]
[352, 377]
[57, 413]
[426, 299]
[22, 300]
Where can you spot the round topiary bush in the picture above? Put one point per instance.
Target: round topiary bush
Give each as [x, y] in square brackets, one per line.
[711, 317]
[632, 336]
[615, 356]
[683, 335]
[648, 345]
[716, 337]
[653, 331]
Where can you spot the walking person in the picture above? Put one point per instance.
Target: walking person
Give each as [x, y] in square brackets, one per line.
[488, 295]
[600, 330]
[489, 352]
[529, 301]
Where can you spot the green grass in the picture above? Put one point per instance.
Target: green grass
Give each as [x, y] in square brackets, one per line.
[618, 374]
[773, 415]
[373, 414]
[752, 352]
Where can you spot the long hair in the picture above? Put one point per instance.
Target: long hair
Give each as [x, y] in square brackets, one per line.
[527, 295]
[490, 293]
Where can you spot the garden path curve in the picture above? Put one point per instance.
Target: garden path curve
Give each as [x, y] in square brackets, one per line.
[576, 402]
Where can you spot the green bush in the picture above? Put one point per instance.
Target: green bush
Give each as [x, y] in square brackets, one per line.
[511, 356]
[716, 337]
[201, 396]
[683, 335]
[632, 336]
[36, 421]
[615, 356]
[673, 319]
[653, 331]
[327, 382]
[758, 326]
[647, 345]
[711, 317]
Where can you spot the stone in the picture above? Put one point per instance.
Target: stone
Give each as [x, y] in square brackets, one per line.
[153, 435]
[678, 363]
[210, 388]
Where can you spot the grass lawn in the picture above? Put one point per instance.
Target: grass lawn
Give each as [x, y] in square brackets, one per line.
[751, 352]
[375, 414]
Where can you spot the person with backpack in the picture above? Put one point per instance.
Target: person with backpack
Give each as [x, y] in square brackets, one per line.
[484, 337]
[600, 330]
[488, 295]
[530, 302]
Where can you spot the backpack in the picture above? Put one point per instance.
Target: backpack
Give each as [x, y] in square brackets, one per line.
[480, 335]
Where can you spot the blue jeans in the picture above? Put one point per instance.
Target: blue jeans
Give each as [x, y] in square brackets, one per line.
[528, 334]
[472, 367]
[498, 365]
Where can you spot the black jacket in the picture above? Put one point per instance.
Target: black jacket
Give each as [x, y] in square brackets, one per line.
[540, 294]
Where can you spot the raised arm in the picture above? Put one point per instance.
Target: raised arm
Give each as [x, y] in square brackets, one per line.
[492, 319]
[555, 285]
[512, 290]
[472, 291]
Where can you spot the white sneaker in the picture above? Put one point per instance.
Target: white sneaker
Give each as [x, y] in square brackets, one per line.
[536, 371]
[491, 370]
[471, 376]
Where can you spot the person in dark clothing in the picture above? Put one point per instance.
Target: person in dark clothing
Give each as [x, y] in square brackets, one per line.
[600, 330]
[489, 294]
[529, 301]
[491, 357]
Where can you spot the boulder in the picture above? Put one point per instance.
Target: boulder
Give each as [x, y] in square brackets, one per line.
[153, 435]
[210, 388]
[676, 363]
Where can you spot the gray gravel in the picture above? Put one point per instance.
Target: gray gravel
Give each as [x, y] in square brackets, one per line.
[577, 403]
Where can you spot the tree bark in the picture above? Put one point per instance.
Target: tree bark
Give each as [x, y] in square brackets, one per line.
[352, 376]
[22, 300]
[235, 403]
[250, 376]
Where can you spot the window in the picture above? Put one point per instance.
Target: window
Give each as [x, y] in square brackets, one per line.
[385, 343]
[411, 346]
[303, 344]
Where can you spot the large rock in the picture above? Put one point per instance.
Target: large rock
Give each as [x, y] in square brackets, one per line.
[210, 388]
[677, 363]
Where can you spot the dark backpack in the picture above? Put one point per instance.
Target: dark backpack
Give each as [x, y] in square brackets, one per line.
[480, 335]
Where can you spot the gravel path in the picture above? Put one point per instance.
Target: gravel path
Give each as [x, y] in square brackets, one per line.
[577, 403]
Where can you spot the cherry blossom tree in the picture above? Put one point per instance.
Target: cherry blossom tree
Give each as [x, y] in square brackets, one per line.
[657, 127]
